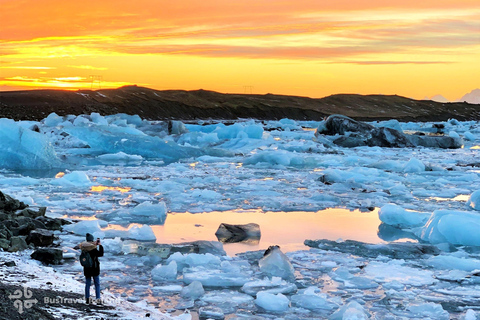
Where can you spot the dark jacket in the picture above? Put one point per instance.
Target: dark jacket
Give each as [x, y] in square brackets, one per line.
[94, 253]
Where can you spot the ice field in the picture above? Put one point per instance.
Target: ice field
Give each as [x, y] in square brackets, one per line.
[413, 213]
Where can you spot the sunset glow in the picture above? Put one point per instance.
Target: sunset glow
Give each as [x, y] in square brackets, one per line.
[310, 48]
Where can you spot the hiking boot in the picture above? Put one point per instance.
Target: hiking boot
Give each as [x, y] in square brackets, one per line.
[98, 301]
[89, 300]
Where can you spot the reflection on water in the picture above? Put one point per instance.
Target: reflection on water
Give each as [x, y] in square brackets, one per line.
[286, 229]
[460, 197]
[103, 188]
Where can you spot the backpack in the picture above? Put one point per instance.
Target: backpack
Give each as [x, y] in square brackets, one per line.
[86, 260]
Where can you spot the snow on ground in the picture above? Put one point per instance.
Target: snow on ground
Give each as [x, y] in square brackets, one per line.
[117, 170]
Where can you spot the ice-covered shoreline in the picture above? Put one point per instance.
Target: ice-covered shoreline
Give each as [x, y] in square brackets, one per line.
[119, 170]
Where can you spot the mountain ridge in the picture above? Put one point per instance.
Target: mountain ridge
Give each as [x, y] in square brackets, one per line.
[203, 104]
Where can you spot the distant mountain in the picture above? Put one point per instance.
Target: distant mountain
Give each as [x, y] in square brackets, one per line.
[439, 98]
[472, 97]
[201, 104]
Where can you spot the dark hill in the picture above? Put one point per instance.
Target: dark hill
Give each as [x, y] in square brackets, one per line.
[200, 104]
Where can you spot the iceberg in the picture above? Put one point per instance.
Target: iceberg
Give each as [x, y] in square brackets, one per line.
[193, 291]
[113, 139]
[276, 264]
[272, 302]
[24, 149]
[165, 272]
[450, 226]
[396, 216]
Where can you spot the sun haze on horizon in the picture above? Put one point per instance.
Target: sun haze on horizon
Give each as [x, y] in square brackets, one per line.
[311, 48]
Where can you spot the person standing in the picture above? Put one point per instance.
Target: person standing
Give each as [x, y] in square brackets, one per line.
[94, 249]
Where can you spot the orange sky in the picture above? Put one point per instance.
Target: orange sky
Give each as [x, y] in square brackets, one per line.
[310, 48]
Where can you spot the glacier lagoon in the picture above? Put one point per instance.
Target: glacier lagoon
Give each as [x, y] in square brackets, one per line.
[137, 183]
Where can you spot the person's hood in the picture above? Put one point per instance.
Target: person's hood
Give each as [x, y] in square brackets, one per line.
[87, 246]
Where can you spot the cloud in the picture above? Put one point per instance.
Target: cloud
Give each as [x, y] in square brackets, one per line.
[86, 67]
[392, 62]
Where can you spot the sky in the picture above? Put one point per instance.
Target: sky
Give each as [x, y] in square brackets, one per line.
[309, 48]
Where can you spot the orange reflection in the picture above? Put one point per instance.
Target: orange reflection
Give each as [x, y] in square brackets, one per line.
[287, 229]
[103, 188]
[59, 175]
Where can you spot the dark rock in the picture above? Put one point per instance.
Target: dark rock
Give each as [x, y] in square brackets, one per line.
[356, 134]
[48, 255]
[230, 233]
[50, 223]
[4, 244]
[10, 264]
[339, 124]
[31, 213]
[17, 243]
[5, 233]
[10, 224]
[402, 250]
[24, 229]
[9, 204]
[40, 237]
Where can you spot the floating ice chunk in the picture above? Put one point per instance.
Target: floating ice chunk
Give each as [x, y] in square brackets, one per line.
[276, 264]
[396, 216]
[83, 227]
[211, 313]
[414, 166]
[113, 246]
[113, 139]
[228, 297]
[119, 157]
[80, 121]
[474, 200]
[24, 149]
[312, 299]
[143, 233]
[98, 119]
[75, 178]
[395, 271]
[469, 136]
[276, 285]
[165, 272]
[155, 211]
[451, 262]
[352, 311]
[454, 134]
[193, 291]
[173, 288]
[429, 310]
[53, 120]
[272, 302]
[211, 277]
[469, 315]
[177, 127]
[455, 227]
[194, 260]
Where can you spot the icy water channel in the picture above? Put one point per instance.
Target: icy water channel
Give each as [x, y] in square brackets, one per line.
[286, 229]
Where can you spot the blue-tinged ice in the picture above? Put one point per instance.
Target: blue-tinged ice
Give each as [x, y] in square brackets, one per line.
[272, 302]
[24, 149]
[165, 272]
[113, 139]
[397, 216]
[474, 200]
[450, 226]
